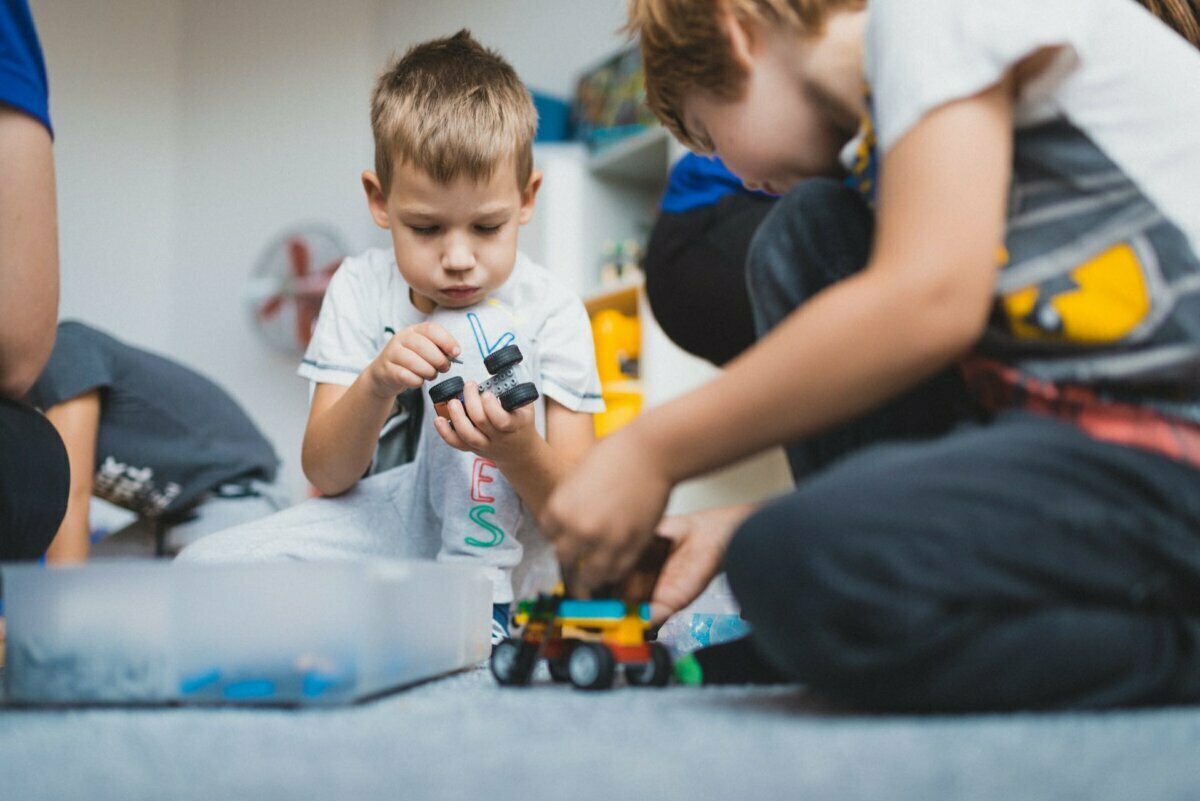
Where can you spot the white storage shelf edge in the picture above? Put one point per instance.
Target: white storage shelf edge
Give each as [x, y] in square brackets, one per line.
[587, 201]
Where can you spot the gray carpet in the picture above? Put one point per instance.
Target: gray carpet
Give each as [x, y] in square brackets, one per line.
[463, 737]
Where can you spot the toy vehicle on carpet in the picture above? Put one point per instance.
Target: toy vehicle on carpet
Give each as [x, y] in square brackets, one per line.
[583, 642]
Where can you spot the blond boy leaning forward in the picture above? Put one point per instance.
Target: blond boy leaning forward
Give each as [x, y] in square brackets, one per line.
[1033, 169]
[453, 182]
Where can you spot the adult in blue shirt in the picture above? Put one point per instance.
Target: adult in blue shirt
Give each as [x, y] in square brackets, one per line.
[696, 259]
[34, 476]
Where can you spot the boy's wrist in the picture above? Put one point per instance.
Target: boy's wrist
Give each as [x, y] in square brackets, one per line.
[376, 388]
[523, 453]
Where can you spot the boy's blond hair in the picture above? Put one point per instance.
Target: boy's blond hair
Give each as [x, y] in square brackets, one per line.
[452, 108]
[685, 47]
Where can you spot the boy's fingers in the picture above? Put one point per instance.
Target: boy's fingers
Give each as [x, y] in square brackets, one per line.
[567, 549]
[440, 337]
[496, 416]
[445, 431]
[463, 427]
[427, 351]
[416, 363]
[473, 404]
[603, 563]
[448, 434]
[402, 376]
[673, 527]
[675, 587]
[596, 570]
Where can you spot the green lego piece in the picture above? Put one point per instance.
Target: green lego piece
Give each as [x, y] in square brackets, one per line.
[688, 671]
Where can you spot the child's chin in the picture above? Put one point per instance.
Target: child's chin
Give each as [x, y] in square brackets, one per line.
[450, 301]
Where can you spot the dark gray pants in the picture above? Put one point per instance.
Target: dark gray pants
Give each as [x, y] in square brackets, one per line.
[932, 560]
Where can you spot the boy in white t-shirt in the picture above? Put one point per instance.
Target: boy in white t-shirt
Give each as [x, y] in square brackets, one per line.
[453, 182]
[1022, 221]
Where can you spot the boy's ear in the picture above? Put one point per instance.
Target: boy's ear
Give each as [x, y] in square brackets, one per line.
[529, 195]
[743, 37]
[376, 199]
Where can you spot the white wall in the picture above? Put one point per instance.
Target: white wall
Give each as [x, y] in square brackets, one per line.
[274, 134]
[190, 133]
[115, 105]
[548, 43]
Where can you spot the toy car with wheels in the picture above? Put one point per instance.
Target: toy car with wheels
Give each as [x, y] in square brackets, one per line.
[583, 642]
[509, 382]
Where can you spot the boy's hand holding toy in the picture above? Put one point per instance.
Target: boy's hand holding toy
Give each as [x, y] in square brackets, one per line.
[479, 424]
[412, 356]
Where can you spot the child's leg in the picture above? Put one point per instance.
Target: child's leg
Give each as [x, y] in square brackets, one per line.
[818, 234]
[375, 518]
[1016, 565]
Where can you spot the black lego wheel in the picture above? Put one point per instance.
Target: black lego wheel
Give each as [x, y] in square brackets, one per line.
[502, 359]
[591, 666]
[655, 673]
[518, 396]
[443, 391]
[560, 665]
[511, 663]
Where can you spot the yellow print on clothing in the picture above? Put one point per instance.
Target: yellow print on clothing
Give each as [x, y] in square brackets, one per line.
[1099, 302]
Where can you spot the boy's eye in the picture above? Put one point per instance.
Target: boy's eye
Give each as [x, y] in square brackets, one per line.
[424, 230]
[487, 229]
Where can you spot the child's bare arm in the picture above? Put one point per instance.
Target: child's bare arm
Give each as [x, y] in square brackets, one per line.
[922, 301]
[344, 422]
[534, 466]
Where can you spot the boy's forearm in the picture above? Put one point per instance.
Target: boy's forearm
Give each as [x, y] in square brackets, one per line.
[340, 442]
[848, 350]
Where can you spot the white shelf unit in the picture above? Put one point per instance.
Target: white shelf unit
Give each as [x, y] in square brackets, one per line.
[587, 200]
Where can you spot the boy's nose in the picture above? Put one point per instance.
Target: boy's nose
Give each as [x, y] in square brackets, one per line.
[458, 255]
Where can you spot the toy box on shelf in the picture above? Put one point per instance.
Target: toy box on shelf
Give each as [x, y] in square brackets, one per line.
[610, 101]
[290, 633]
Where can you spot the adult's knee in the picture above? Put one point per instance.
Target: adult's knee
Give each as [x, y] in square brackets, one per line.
[817, 234]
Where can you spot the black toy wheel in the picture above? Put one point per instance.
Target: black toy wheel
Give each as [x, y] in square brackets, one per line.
[518, 396]
[560, 665]
[655, 673]
[512, 662]
[443, 391]
[591, 666]
[502, 359]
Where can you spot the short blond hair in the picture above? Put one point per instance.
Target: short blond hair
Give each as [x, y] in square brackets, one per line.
[452, 108]
[685, 47]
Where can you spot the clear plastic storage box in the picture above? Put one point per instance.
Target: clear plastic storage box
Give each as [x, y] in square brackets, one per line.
[264, 633]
